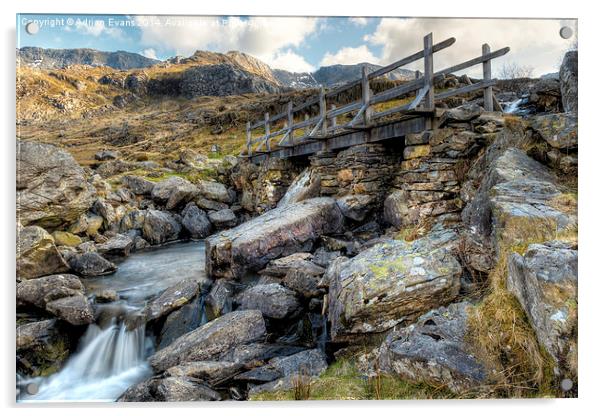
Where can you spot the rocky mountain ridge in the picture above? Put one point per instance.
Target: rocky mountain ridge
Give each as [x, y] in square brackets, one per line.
[61, 58]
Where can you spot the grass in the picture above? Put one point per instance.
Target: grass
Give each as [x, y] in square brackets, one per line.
[343, 381]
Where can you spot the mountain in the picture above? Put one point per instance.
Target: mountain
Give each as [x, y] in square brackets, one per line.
[61, 58]
[296, 80]
[335, 75]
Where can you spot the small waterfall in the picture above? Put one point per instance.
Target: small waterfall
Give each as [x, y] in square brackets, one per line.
[514, 106]
[108, 361]
[299, 190]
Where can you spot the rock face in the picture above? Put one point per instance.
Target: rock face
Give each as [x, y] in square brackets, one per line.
[214, 191]
[433, 350]
[42, 347]
[223, 79]
[173, 192]
[195, 222]
[279, 232]
[568, 81]
[51, 187]
[160, 227]
[211, 339]
[544, 281]
[73, 309]
[172, 298]
[273, 300]
[90, 264]
[36, 254]
[391, 282]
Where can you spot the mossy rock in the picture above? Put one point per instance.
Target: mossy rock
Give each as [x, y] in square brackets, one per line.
[64, 238]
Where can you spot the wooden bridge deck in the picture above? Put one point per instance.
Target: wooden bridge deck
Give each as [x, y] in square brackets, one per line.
[320, 129]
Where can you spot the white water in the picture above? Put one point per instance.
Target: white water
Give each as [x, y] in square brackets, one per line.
[514, 106]
[112, 357]
[109, 361]
[296, 190]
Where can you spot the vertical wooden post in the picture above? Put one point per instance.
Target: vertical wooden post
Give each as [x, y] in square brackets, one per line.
[307, 128]
[487, 92]
[323, 111]
[429, 99]
[366, 95]
[417, 74]
[289, 121]
[249, 138]
[333, 120]
[267, 131]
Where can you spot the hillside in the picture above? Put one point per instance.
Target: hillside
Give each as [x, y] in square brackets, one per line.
[61, 58]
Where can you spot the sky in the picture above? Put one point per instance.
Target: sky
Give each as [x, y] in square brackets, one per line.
[301, 44]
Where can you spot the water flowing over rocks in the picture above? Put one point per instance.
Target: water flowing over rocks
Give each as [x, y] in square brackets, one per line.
[279, 232]
[544, 280]
[390, 283]
[52, 189]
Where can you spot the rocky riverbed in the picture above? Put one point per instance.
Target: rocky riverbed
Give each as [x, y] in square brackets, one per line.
[450, 261]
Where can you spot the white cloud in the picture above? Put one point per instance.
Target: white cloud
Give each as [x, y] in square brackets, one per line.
[290, 61]
[533, 42]
[96, 28]
[358, 21]
[150, 53]
[349, 56]
[266, 38]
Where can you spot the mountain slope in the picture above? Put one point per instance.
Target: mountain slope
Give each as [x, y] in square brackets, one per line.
[61, 58]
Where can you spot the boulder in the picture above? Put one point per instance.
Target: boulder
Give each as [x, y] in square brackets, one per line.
[396, 208]
[544, 280]
[102, 208]
[273, 300]
[52, 189]
[169, 389]
[211, 339]
[160, 227]
[172, 298]
[298, 261]
[355, 207]
[545, 95]
[304, 283]
[258, 352]
[133, 220]
[281, 372]
[36, 254]
[104, 155]
[460, 114]
[277, 233]
[223, 219]
[219, 299]
[434, 351]
[119, 245]
[558, 130]
[138, 185]
[391, 282]
[39, 292]
[208, 371]
[180, 321]
[568, 74]
[64, 238]
[174, 191]
[90, 264]
[73, 309]
[214, 191]
[195, 222]
[306, 185]
[208, 204]
[42, 347]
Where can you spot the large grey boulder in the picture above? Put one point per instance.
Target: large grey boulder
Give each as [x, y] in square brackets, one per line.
[214, 191]
[169, 389]
[90, 264]
[391, 282]
[73, 309]
[544, 280]
[52, 189]
[434, 351]
[172, 298]
[211, 339]
[558, 130]
[224, 218]
[297, 261]
[569, 75]
[277, 233]
[36, 254]
[355, 207]
[396, 208]
[211, 372]
[138, 185]
[195, 222]
[273, 300]
[119, 245]
[41, 347]
[160, 227]
[174, 191]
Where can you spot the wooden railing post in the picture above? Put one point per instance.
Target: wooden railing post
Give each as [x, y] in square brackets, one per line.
[333, 120]
[429, 99]
[323, 111]
[289, 121]
[307, 128]
[249, 139]
[267, 131]
[366, 95]
[487, 92]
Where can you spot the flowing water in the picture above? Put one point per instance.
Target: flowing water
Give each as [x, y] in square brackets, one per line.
[112, 353]
[296, 188]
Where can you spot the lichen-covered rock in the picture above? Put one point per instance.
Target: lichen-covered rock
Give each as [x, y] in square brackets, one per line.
[219, 299]
[297, 261]
[434, 351]
[120, 245]
[544, 280]
[160, 227]
[64, 238]
[211, 339]
[356, 207]
[174, 191]
[138, 185]
[73, 309]
[36, 254]
[224, 218]
[461, 114]
[195, 222]
[558, 130]
[208, 371]
[169, 389]
[391, 282]
[90, 264]
[304, 283]
[172, 298]
[273, 300]
[277, 233]
[42, 347]
[40, 291]
[52, 189]
[214, 191]
[569, 70]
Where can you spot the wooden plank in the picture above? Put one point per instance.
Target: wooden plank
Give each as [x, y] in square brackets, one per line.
[333, 119]
[290, 121]
[473, 62]
[366, 95]
[466, 89]
[323, 120]
[356, 105]
[267, 131]
[397, 91]
[487, 92]
[429, 99]
[419, 97]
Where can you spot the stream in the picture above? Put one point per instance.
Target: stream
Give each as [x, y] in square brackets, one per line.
[112, 354]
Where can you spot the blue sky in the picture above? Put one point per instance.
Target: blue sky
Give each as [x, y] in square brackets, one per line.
[303, 43]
